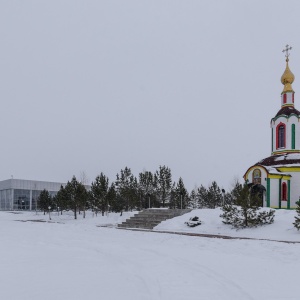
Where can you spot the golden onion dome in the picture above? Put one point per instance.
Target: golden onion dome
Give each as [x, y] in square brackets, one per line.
[287, 78]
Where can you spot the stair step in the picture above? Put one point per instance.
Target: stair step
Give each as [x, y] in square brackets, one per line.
[149, 218]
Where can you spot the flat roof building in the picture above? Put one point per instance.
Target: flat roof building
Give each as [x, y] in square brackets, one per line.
[19, 194]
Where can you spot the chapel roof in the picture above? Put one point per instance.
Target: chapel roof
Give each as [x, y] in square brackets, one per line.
[288, 110]
[281, 160]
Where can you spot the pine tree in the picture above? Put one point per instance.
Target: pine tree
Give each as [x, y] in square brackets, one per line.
[75, 193]
[99, 191]
[45, 201]
[164, 185]
[235, 192]
[82, 195]
[127, 189]
[181, 195]
[193, 204]
[147, 188]
[214, 196]
[202, 196]
[297, 218]
[61, 200]
[245, 213]
[111, 198]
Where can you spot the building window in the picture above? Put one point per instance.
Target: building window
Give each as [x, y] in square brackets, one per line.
[21, 199]
[256, 176]
[284, 98]
[283, 192]
[280, 141]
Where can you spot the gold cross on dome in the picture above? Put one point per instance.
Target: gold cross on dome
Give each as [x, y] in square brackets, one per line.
[287, 48]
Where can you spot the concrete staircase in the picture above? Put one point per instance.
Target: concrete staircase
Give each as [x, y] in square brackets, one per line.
[149, 218]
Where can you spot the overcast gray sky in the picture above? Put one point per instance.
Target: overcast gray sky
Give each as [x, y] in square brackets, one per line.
[99, 85]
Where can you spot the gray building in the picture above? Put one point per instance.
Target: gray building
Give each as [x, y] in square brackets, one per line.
[19, 194]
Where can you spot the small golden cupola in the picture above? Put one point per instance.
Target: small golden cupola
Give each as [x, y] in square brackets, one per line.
[287, 79]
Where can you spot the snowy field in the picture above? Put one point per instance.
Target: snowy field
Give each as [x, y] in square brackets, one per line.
[76, 259]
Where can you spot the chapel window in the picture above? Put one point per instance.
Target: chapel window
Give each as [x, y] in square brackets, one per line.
[281, 136]
[256, 176]
[283, 192]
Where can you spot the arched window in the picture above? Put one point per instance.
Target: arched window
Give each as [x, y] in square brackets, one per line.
[256, 176]
[283, 192]
[280, 140]
[284, 98]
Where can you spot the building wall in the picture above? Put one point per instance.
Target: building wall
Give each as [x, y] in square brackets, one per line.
[30, 185]
[295, 188]
[18, 194]
[288, 123]
[274, 190]
[275, 185]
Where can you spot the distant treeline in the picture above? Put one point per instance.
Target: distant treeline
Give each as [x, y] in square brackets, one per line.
[129, 192]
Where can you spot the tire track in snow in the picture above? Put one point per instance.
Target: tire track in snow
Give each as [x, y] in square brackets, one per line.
[233, 290]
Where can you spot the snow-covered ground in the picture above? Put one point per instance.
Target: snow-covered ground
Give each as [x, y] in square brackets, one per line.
[76, 259]
[281, 229]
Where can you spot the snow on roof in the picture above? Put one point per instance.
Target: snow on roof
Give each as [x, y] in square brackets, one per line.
[289, 156]
[274, 171]
[290, 159]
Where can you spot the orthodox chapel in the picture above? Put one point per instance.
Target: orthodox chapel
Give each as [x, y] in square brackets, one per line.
[277, 177]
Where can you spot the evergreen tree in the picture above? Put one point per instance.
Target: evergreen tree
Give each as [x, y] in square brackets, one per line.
[202, 196]
[99, 192]
[181, 195]
[214, 196]
[61, 200]
[228, 198]
[164, 185]
[297, 218]
[127, 189]
[193, 204]
[236, 191]
[45, 201]
[246, 214]
[82, 195]
[74, 192]
[111, 198]
[147, 188]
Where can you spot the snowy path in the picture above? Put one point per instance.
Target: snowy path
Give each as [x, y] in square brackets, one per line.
[212, 236]
[78, 260]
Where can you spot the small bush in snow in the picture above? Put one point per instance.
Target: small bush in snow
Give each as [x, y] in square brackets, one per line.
[240, 217]
[193, 222]
[245, 213]
[297, 218]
